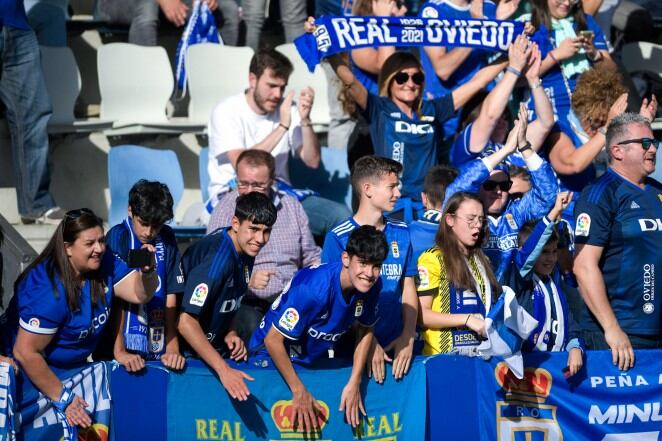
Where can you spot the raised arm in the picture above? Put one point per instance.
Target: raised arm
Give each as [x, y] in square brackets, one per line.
[479, 81]
[541, 126]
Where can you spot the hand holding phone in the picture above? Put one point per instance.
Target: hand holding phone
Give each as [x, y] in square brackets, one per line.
[140, 258]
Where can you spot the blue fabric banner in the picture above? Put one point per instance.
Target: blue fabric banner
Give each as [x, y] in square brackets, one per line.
[599, 403]
[341, 34]
[200, 409]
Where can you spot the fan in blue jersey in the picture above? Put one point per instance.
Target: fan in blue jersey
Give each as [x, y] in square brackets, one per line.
[61, 305]
[320, 305]
[375, 180]
[487, 131]
[217, 270]
[149, 331]
[618, 234]
[404, 126]
[504, 219]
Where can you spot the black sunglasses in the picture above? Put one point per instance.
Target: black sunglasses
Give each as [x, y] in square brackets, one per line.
[646, 143]
[402, 77]
[503, 185]
[75, 214]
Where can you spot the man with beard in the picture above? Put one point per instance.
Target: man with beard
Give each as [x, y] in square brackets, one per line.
[265, 118]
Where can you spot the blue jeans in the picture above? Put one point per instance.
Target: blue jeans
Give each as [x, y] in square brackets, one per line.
[23, 92]
[324, 214]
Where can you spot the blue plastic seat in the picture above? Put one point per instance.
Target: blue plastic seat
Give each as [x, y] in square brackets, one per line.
[331, 180]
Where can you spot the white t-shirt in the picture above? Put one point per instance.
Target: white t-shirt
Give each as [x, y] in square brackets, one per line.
[234, 125]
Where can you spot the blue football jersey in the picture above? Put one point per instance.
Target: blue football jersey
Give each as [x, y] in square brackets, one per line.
[461, 155]
[216, 280]
[313, 315]
[398, 264]
[626, 221]
[38, 309]
[413, 142]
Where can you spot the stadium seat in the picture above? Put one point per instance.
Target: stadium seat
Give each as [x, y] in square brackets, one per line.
[214, 72]
[203, 161]
[643, 56]
[63, 83]
[301, 77]
[330, 180]
[136, 83]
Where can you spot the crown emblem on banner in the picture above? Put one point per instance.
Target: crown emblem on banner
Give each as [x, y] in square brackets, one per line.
[282, 411]
[535, 386]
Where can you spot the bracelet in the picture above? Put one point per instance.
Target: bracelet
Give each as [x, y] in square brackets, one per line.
[525, 147]
[467, 320]
[283, 126]
[536, 85]
[603, 130]
[514, 71]
[66, 398]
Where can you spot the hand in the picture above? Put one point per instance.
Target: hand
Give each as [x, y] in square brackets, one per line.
[587, 45]
[619, 106]
[529, 29]
[382, 8]
[403, 348]
[175, 11]
[519, 52]
[567, 48]
[575, 360]
[511, 142]
[477, 324]
[376, 359]
[286, 109]
[233, 381]
[399, 11]
[309, 25]
[532, 73]
[236, 346]
[506, 8]
[173, 360]
[260, 279]
[151, 249]
[563, 199]
[305, 104]
[622, 353]
[76, 413]
[351, 403]
[523, 117]
[304, 415]
[131, 362]
[649, 108]
[213, 4]
[476, 9]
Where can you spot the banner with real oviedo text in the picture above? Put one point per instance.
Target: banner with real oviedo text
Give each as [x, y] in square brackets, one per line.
[600, 403]
[200, 409]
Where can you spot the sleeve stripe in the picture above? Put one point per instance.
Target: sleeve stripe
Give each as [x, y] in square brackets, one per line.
[36, 329]
[283, 333]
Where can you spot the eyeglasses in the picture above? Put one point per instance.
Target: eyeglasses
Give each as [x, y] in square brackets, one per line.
[75, 214]
[503, 185]
[472, 221]
[572, 2]
[646, 143]
[259, 186]
[402, 77]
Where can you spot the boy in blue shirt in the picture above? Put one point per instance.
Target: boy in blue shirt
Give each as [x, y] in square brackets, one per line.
[319, 306]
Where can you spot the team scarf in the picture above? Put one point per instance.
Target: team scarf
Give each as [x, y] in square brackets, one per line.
[8, 423]
[144, 329]
[543, 296]
[341, 34]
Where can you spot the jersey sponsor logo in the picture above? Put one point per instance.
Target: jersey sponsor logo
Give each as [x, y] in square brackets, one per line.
[321, 335]
[415, 129]
[398, 151]
[583, 225]
[394, 249]
[199, 294]
[511, 221]
[289, 319]
[34, 322]
[230, 305]
[634, 205]
[392, 271]
[650, 224]
[648, 295]
[423, 278]
[97, 322]
[358, 310]
[429, 12]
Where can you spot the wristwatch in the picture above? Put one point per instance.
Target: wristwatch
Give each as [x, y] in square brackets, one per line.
[525, 147]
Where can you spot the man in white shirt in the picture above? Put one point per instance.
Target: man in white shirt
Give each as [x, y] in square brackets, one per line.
[264, 118]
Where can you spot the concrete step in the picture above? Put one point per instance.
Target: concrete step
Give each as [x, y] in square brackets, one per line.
[36, 235]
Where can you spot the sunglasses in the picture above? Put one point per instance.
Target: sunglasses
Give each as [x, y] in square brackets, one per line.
[646, 143]
[75, 214]
[402, 77]
[503, 185]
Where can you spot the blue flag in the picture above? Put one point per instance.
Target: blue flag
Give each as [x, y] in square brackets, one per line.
[341, 34]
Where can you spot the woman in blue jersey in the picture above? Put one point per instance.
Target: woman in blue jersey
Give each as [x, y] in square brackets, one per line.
[61, 305]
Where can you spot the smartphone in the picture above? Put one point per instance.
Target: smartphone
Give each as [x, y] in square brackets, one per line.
[139, 258]
[588, 35]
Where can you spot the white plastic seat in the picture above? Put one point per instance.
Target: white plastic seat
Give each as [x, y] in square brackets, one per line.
[643, 56]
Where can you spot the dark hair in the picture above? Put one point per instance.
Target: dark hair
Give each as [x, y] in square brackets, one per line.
[540, 15]
[528, 227]
[257, 208]
[372, 167]
[57, 262]
[436, 181]
[515, 171]
[258, 158]
[265, 59]
[455, 263]
[368, 244]
[151, 201]
[394, 64]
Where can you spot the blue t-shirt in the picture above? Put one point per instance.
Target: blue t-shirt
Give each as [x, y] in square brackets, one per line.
[626, 221]
[216, 280]
[423, 232]
[37, 309]
[460, 153]
[12, 13]
[398, 264]
[312, 314]
[411, 142]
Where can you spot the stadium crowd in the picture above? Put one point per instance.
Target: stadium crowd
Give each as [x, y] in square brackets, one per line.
[524, 170]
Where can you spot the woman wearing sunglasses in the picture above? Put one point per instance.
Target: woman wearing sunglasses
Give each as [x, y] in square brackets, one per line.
[403, 125]
[61, 305]
[456, 286]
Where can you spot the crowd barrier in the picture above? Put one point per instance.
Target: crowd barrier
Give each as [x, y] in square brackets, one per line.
[442, 398]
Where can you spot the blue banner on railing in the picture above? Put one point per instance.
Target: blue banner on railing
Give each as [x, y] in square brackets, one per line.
[471, 399]
[200, 409]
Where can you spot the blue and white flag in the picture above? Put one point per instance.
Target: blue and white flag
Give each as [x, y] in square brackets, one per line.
[508, 325]
[8, 415]
[341, 34]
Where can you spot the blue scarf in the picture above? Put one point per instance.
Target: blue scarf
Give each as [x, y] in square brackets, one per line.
[544, 294]
[144, 325]
[341, 34]
[8, 423]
